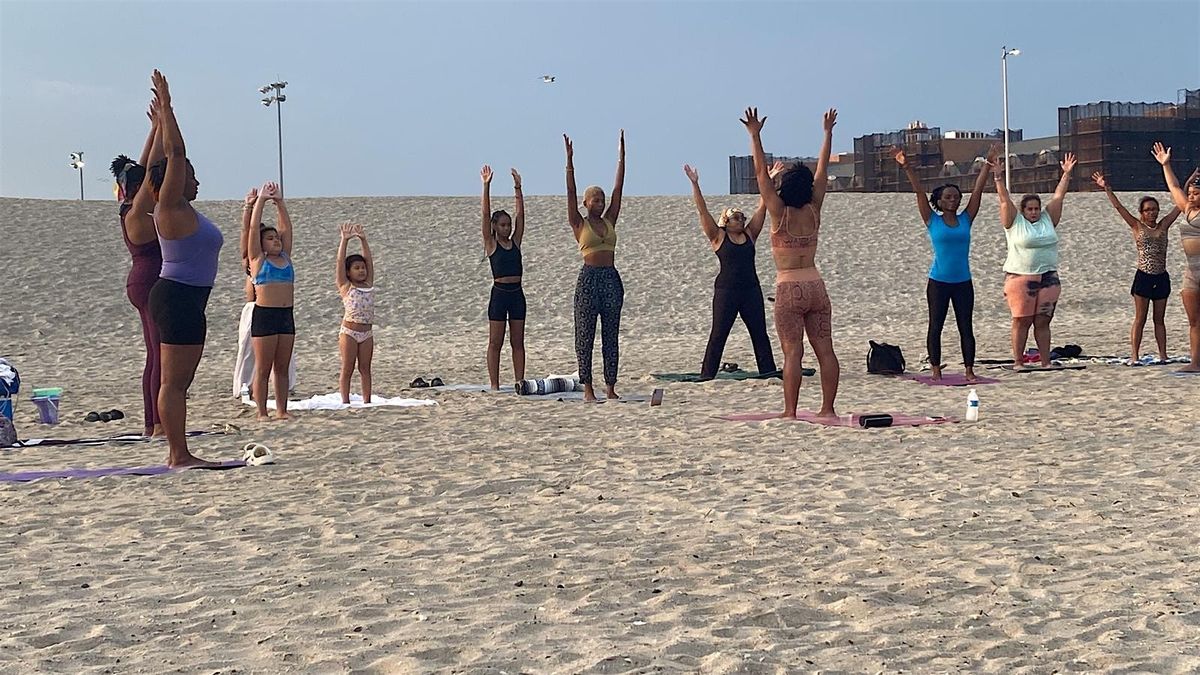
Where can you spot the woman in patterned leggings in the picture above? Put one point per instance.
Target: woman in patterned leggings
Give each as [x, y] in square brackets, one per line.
[598, 292]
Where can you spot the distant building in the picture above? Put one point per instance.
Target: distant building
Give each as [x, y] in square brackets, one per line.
[840, 171]
[1111, 137]
[1116, 138]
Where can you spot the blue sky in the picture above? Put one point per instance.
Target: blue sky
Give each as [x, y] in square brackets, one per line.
[410, 98]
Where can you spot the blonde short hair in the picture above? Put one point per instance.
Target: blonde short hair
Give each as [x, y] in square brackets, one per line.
[593, 190]
[727, 214]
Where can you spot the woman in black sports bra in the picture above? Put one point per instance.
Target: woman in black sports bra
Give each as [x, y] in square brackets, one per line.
[502, 243]
[736, 289]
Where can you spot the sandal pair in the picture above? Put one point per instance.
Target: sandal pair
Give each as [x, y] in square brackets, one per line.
[420, 383]
[106, 416]
[257, 454]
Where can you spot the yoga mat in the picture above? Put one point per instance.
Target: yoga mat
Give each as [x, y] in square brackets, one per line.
[23, 476]
[103, 440]
[577, 397]
[1182, 373]
[948, 380]
[334, 402]
[474, 388]
[1047, 369]
[736, 375]
[898, 420]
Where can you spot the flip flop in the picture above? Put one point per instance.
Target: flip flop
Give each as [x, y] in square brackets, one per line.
[92, 417]
[115, 414]
[437, 382]
[257, 454]
[418, 383]
[729, 367]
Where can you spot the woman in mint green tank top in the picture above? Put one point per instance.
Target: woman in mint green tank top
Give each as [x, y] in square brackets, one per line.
[1031, 284]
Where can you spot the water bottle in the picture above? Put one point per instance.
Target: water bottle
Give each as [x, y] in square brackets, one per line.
[972, 406]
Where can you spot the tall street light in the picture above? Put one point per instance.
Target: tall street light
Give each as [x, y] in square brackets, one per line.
[1004, 76]
[77, 164]
[277, 98]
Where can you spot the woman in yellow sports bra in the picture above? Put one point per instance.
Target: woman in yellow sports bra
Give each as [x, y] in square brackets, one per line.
[598, 292]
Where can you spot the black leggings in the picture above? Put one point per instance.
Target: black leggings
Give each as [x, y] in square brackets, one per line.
[727, 304]
[940, 295]
[598, 293]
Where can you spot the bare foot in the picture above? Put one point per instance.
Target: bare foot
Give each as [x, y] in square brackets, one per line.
[589, 394]
[158, 431]
[1190, 368]
[971, 376]
[612, 393]
[787, 415]
[263, 417]
[937, 372]
[827, 412]
[282, 416]
[189, 461]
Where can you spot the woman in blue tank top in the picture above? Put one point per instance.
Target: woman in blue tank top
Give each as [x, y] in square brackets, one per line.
[950, 274]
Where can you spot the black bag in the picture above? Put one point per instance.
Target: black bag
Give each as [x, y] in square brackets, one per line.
[884, 359]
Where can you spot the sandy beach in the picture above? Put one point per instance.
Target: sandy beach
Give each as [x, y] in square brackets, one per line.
[491, 534]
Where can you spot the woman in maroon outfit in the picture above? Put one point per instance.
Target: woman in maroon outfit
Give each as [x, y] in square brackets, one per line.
[137, 228]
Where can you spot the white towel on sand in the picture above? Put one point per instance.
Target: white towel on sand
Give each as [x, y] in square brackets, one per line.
[334, 402]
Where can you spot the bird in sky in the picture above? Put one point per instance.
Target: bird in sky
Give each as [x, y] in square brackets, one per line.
[547, 79]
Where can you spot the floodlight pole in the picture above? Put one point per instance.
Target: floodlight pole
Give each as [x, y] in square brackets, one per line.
[1004, 77]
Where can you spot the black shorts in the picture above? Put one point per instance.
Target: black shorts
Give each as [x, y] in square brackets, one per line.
[266, 321]
[507, 303]
[1151, 286]
[178, 312]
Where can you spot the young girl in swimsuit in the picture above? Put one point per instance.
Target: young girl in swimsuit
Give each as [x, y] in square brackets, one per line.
[1187, 200]
[1151, 281]
[273, 324]
[356, 285]
[801, 303]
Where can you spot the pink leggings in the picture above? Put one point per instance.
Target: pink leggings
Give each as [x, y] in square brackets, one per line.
[139, 296]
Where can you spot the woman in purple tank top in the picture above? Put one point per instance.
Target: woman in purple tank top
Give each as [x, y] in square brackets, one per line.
[137, 228]
[191, 245]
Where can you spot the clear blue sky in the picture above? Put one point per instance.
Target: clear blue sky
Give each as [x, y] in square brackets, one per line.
[410, 98]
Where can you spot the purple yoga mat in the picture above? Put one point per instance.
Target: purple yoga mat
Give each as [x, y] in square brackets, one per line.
[22, 476]
[948, 380]
[898, 420]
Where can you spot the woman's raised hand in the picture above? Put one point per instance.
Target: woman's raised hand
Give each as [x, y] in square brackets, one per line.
[691, 173]
[162, 91]
[1162, 154]
[1068, 162]
[829, 119]
[485, 174]
[570, 149]
[752, 121]
[899, 156]
[516, 179]
[251, 197]
[1098, 179]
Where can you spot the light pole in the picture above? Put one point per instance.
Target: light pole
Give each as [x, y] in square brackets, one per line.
[277, 98]
[1004, 76]
[77, 164]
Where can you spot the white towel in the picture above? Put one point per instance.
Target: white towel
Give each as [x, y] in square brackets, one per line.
[334, 402]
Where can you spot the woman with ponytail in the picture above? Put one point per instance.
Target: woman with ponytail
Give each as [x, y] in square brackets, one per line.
[137, 228]
[502, 244]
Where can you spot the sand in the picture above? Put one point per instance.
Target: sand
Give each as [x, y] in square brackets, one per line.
[492, 534]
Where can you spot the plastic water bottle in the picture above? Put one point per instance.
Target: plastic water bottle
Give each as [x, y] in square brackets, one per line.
[972, 406]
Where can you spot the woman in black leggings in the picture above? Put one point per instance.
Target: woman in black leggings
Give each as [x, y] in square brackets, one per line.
[598, 292]
[736, 290]
[950, 274]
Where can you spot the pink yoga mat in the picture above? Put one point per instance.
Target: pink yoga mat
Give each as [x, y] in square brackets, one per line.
[898, 420]
[948, 380]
